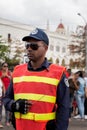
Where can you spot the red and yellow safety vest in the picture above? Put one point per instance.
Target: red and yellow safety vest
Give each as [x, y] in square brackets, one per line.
[39, 87]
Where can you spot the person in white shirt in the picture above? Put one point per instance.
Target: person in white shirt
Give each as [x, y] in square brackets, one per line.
[2, 91]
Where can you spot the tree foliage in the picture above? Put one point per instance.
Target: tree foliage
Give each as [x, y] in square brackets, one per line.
[5, 51]
[77, 46]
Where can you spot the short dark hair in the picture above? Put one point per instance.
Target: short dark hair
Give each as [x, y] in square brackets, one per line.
[80, 73]
[4, 63]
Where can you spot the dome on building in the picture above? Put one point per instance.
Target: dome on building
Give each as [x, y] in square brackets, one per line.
[60, 26]
[60, 29]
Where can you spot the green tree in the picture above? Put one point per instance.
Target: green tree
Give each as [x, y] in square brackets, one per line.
[4, 50]
[5, 54]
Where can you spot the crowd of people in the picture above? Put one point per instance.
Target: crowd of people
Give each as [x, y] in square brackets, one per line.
[42, 95]
[5, 77]
[78, 94]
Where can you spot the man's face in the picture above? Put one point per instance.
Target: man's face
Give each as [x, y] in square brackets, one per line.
[36, 50]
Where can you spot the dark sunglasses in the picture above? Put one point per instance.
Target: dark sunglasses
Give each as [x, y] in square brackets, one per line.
[5, 66]
[33, 46]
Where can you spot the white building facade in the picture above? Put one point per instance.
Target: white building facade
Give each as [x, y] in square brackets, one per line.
[59, 40]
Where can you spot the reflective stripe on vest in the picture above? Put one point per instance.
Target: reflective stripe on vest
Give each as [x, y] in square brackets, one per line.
[36, 97]
[36, 116]
[48, 80]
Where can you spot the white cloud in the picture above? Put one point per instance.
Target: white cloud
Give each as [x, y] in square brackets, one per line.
[11, 7]
[37, 12]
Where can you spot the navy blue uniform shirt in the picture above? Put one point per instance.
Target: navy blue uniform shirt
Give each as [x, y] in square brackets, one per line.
[62, 113]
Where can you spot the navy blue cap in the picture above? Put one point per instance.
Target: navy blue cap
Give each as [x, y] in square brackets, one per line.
[37, 34]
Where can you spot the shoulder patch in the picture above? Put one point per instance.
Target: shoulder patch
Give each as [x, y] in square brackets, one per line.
[66, 82]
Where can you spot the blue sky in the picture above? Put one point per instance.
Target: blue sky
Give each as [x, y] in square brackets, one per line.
[37, 12]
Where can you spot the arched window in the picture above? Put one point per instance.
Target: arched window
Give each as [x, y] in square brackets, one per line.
[57, 61]
[63, 62]
[50, 59]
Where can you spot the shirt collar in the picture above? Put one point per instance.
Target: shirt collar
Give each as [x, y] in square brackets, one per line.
[44, 65]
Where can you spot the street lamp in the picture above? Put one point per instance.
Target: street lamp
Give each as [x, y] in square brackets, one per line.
[85, 41]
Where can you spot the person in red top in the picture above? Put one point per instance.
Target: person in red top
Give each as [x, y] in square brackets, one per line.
[5, 76]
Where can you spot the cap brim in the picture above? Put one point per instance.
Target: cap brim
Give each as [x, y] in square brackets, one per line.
[26, 38]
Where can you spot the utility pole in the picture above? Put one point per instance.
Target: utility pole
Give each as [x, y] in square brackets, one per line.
[85, 41]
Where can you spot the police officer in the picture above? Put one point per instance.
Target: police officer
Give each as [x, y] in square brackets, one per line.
[38, 93]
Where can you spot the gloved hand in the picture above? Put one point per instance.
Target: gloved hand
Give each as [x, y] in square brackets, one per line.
[21, 105]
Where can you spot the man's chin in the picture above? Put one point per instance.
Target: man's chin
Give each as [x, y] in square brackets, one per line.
[31, 59]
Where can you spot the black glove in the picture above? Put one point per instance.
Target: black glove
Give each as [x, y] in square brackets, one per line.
[21, 105]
